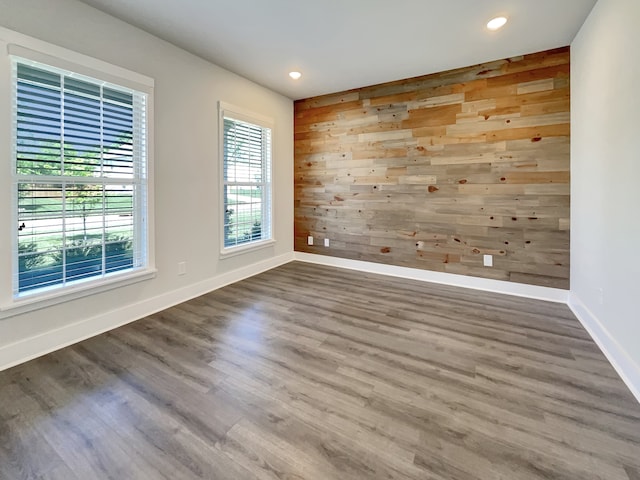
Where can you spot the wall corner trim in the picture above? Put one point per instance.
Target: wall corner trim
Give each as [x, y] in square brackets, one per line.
[496, 286]
[627, 369]
[47, 342]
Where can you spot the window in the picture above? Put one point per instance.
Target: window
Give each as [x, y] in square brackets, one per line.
[246, 179]
[79, 181]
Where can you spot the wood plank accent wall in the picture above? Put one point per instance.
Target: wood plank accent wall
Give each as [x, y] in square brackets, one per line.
[435, 171]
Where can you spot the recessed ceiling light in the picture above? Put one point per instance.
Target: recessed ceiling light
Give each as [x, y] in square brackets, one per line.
[295, 75]
[496, 23]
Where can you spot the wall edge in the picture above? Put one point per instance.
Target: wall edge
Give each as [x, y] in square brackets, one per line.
[620, 360]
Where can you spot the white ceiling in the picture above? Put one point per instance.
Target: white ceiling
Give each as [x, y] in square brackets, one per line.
[344, 44]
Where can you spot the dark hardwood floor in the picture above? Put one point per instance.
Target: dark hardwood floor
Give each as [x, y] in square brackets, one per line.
[310, 372]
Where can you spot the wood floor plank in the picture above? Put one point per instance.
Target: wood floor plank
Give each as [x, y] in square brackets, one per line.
[634, 474]
[15, 439]
[312, 372]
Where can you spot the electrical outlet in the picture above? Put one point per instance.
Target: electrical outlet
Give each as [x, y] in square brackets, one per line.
[488, 260]
[326, 242]
[309, 240]
[182, 268]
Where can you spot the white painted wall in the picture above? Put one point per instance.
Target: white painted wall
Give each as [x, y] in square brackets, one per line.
[187, 209]
[605, 169]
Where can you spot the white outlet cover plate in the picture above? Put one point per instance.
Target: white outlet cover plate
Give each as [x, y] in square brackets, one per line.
[488, 260]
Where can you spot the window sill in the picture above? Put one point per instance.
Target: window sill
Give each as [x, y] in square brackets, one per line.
[46, 299]
[233, 251]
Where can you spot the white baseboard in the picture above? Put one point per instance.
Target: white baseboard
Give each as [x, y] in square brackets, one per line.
[33, 347]
[46, 342]
[621, 361]
[497, 286]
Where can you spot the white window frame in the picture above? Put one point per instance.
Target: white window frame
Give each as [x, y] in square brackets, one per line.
[226, 110]
[14, 44]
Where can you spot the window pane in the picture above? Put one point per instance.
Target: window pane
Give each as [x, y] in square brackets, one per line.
[40, 235]
[246, 164]
[118, 139]
[230, 215]
[118, 253]
[243, 149]
[35, 75]
[119, 228]
[38, 128]
[81, 132]
[83, 213]
[82, 259]
[243, 214]
[37, 270]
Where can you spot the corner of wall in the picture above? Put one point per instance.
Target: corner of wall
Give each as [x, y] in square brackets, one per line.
[618, 357]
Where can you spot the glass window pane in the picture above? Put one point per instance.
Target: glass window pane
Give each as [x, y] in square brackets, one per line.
[82, 134]
[38, 129]
[40, 235]
[246, 160]
[118, 140]
[82, 259]
[77, 224]
[84, 213]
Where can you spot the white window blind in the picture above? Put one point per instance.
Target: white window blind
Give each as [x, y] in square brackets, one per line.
[246, 182]
[80, 178]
